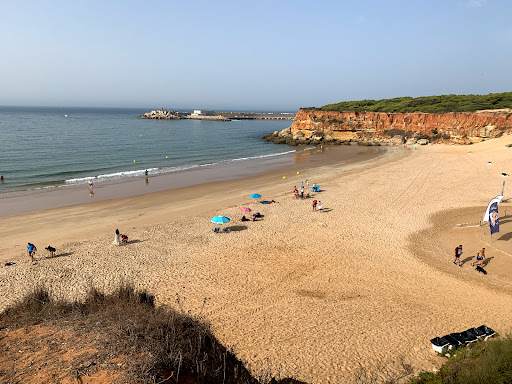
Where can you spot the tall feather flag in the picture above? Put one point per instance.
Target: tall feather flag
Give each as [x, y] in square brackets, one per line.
[494, 223]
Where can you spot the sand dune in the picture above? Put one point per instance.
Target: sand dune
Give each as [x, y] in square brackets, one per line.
[313, 295]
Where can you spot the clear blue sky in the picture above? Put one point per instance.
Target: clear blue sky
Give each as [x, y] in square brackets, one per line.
[275, 55]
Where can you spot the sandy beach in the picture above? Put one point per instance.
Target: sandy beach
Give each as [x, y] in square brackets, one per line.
[314, 295]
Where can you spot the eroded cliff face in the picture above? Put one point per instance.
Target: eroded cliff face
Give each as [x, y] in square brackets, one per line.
[346, 125]
[356, 126]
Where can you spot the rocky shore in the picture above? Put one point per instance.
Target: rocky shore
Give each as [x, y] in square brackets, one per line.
[161, 115]
[374, 128]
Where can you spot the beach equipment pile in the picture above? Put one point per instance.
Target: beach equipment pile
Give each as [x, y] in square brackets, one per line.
[447, 342]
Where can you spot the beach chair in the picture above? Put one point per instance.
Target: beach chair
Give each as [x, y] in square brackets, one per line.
[440, 344]
[478, 333]
[458, 336]
[216, 229]
[469, 337]
[225, 229]
[317, 188]
[487, 331]
[454, 343]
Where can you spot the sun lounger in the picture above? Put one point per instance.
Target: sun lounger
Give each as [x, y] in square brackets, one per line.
[488, 331]
[225, 229]
[478, 333]
[456, 339]
[469, 337]
[440, 344]
[454, 343]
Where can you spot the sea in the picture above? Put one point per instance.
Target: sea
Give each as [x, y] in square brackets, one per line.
[55, 147]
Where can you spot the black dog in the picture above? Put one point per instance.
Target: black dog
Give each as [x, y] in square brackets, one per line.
[51, 250]
[480, 269]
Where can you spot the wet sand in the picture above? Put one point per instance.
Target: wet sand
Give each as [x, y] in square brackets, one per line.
[314, 295]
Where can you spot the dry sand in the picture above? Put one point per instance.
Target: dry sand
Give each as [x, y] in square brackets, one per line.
[314, 295]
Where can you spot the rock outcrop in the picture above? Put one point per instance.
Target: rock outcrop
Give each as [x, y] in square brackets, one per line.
[312, 126]
[161, 115]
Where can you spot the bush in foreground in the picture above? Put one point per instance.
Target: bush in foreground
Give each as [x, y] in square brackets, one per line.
[481, 362]
[159, 344]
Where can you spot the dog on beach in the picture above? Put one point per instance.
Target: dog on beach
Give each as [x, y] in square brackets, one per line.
[480, 269]
[51, 250]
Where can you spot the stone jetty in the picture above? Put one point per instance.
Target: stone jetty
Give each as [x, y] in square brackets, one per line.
[161, 115]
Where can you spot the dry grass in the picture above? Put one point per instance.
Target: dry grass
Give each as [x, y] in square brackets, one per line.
[158, 344]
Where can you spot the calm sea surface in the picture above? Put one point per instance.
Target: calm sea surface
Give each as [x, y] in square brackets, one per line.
[51, 147]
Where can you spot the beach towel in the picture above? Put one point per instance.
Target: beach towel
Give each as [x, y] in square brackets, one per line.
[265, 202]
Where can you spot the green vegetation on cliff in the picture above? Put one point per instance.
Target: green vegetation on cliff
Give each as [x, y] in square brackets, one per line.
[428, 104]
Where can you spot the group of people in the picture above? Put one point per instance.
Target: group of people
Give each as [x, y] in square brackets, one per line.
[120, 238]
[254, 216]
[480, 257]
[317, 205]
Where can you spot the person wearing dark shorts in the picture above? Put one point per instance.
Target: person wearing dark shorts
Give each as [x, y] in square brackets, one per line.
[480, 256]
[458, 252]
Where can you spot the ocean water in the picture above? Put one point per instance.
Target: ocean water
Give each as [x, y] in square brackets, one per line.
[56, 147]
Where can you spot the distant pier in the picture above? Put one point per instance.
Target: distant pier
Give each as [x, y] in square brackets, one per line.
[215, 116]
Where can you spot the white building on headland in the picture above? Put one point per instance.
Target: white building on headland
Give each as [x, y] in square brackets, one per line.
[198, 112]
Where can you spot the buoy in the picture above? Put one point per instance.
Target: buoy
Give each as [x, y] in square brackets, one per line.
[284, 177]
[166, 157]
[298, 173]
[134, 161]
[50, 138]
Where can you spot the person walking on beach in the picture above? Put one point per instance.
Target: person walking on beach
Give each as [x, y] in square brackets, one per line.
[314, 205]
[458, 252]
[146, 173]
[301, 184]
[307, 183]
[480, 256]
[116, 238]
[302, 192]
[32, 249]
[320, 206]
[91, 184]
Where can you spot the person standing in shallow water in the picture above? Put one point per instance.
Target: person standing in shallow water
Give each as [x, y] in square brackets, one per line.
[116, 238]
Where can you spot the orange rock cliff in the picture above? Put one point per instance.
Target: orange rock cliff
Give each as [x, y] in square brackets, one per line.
[331, 126]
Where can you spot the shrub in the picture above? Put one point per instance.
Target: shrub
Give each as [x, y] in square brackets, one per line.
[153, 339]
[483, 362]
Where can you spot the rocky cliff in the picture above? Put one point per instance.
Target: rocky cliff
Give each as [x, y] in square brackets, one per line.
[330, 126]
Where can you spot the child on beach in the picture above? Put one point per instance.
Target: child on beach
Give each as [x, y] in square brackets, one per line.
[320, 207]
[314, 205]
[32, 249]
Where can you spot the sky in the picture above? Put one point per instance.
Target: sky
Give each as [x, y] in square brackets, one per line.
[241, 55]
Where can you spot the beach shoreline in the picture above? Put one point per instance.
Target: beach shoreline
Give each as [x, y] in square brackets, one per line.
[16, 202]
[311, 295]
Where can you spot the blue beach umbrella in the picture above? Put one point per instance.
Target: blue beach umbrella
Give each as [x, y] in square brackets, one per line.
[255, 196]
[220, 220]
